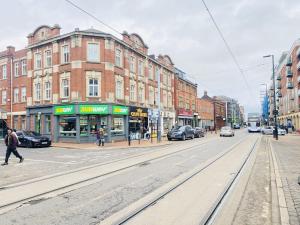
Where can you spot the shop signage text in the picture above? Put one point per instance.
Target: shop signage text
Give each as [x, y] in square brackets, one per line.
[93, 109]
[183, 112]
[138, 112]
[64, 110]
[120, 110]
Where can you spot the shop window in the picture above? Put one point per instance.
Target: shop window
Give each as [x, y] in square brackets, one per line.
[67, 126]
[117, 126]
[48, 124]
[83, 125]
[38, 123]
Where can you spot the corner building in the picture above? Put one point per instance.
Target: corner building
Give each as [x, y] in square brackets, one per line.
[86, 79]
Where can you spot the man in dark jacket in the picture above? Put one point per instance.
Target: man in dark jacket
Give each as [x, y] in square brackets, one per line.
[11, 143]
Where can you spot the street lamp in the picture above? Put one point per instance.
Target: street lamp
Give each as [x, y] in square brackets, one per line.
[274, 97]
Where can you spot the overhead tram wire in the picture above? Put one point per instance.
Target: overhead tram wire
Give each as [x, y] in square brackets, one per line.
[228, 47]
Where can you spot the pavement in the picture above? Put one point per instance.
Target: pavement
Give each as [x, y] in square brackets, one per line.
[287, 152]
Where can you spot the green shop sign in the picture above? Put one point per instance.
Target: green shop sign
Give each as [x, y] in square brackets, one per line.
[120, 110]
[93, 109]
[64, 110]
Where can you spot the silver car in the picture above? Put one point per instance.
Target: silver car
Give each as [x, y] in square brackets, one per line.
[226, 132]
[268, 130]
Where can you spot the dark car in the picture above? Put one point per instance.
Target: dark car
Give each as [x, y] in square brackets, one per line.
[236, 126]
[199, 132]
[182, 133]
[32, 139]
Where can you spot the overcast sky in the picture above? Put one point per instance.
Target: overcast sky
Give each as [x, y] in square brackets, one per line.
[181, 29]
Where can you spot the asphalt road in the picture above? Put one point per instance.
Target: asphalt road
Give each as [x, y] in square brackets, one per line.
[93, 203]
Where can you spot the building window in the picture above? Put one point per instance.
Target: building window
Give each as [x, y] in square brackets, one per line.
[16, 95]
[180, 102]
[47, 124]
[67, 126]
[16, 69]
[118, 58]
[65, 54]
[48, 58]
[151, 95]
[141, 93]
[118, 127]
[165, 79]
[24, 67]
[93, 87]
[4, 97]
[165, 98]
[140, 68]
[23, 94]
[93, 52]
[65, 88]
[150, 72]
[23, 122]
[187, 106]
[47, 90]
[170, 103]
[37, 61]
[84, 126]
[157, 73]
[16, 120]
[132, 91]
[4, 72]
[132, 64]
[37, 91]
[119, 88]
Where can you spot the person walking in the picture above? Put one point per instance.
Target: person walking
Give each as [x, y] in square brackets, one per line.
[101, 136]
[98, 142]
[11, 143]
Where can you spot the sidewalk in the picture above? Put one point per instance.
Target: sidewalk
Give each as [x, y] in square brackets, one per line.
[287, 151]
[114, 145]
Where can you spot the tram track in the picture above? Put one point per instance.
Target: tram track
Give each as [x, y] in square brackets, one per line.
[125, 217]
[14, 202]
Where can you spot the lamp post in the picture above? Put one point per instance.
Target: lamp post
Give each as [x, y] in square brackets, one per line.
[274, 97]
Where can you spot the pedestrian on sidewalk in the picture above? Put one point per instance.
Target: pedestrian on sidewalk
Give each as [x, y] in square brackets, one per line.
[11, 143]
[100, 137]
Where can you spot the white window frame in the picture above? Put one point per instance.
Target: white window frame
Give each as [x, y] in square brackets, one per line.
[4, 97]
[132, 93]
[65, 55]
[47, 89]
[24, 67]
[16, 66]
[4, 72]
[37, 60]
[132, 64]
[16, 95]
[150, 72]
[93, 54]
[141, 68]
[37, 91]
[151, 95]
[65, 87]
[48, 58]
[141, 93]
[119, 85]
[94, 87]
[118, 57]
[23, 94]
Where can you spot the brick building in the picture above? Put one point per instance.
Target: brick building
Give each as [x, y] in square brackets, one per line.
[86, 79]
[14, 87]
[288, 87]
[205, 109]
[185, 100]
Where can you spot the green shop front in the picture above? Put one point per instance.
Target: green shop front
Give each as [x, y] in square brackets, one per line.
[79, 123]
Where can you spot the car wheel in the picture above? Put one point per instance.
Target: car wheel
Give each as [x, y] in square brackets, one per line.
[169, 139]
[29, 144]
[183, 137]
[193, 136]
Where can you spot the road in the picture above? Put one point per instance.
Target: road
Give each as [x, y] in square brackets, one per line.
[102, 184]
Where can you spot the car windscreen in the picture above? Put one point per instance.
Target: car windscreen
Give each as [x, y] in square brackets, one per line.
[31, 133]
[226, 128]
[182, 128]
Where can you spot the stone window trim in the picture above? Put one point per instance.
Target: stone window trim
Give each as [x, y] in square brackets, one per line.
[120, 55]
[98, 60]
[16, 69]
[23, 94]
[64, 76]
[16, 93]
[48, 57]
[24, 67]
[65, 55]
[119, 93]
[141, 93]
[132, 91]
[47, 89]
[37, 60]
[93, 75]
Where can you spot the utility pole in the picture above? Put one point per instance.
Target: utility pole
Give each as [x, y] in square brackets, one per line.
[274, 97]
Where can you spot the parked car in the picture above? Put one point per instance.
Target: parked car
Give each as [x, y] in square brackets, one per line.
[226, 132]
[268, 130]
[199, 132]
[236, 126]
[182, 133]
[281, 131]
[32, 139]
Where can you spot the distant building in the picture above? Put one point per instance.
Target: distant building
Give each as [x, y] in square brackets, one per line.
[205, 108]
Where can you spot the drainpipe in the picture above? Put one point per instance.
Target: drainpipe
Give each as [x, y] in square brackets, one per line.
[11, 91]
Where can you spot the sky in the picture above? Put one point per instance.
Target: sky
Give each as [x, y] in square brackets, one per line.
[181, 29]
